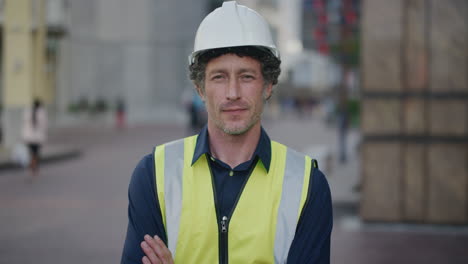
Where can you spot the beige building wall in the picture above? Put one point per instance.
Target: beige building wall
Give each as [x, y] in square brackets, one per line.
[39, 34]
[23, 63]
[17, 53]
[415, 111]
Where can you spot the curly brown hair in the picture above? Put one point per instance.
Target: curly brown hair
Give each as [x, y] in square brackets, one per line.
[270, 64]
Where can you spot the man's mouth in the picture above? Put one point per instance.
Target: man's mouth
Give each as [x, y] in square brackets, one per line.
[234, 110]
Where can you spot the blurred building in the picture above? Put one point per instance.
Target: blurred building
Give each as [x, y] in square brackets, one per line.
[415, 111]
[90, 54]
[133, 50]
[309, 36]
[84, 56]
[31, 31]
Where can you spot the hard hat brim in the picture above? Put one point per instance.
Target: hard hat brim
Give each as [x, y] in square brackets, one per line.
[194, 55]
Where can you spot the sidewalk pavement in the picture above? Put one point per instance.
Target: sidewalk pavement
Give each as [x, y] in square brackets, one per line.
[50, 152]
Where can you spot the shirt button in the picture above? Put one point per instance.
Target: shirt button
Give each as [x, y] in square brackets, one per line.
[231, 173]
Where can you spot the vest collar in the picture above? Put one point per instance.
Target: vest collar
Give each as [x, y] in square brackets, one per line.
[263, 150]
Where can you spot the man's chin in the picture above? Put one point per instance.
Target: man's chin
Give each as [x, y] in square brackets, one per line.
[236, 130]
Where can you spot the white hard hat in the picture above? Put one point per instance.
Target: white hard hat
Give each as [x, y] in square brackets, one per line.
[232, 25]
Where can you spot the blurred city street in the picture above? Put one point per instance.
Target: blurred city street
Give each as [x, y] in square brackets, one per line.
[76, 210]
[106, 81]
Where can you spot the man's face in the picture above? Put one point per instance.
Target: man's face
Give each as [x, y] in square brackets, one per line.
[234, 93]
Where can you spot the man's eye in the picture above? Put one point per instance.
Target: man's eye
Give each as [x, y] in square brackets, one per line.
[217, 77]
[247, 77]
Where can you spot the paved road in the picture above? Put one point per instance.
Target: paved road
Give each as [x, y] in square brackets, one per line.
[76, 211]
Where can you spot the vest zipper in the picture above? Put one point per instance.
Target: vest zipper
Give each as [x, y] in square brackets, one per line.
[223, 254]
[223, 222]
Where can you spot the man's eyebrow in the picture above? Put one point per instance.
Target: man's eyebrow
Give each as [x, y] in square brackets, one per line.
[251, 70]
[242, 70]
[219, 70]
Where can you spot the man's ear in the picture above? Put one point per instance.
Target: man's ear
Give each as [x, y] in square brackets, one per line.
[268, 91]
[200, 93]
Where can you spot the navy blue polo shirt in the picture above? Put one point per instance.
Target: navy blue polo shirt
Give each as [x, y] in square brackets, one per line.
[229, 181]
[311, 243]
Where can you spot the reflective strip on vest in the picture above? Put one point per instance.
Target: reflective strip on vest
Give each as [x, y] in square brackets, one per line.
[296, 174]
[173, 173]
[289, 205]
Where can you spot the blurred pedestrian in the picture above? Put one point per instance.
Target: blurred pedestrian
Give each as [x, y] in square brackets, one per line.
[34, 132]
[198, 113]
[229, 194]
[195, 110]
[343, 126]
[120, 114]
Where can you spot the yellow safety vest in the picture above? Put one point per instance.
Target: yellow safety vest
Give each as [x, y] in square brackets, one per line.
[263, 223]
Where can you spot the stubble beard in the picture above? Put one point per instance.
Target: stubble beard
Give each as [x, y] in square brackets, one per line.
[241, 129]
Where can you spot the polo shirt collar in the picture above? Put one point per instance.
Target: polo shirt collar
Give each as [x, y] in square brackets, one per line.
[263, 150]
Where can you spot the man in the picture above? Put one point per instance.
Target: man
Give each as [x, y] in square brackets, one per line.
[229, 194]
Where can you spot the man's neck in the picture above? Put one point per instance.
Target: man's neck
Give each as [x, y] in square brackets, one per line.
[233, 149]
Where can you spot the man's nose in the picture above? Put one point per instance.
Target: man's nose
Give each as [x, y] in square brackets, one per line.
[233, 92]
